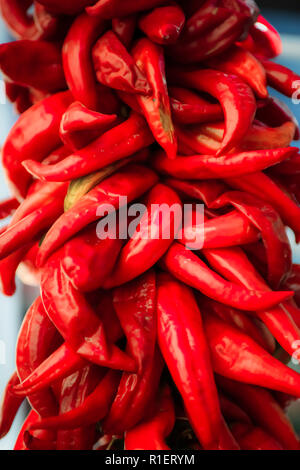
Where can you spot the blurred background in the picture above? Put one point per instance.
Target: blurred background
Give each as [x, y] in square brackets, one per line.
[285, 16]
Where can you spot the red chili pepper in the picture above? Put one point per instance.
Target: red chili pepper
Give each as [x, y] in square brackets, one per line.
[20, 24]
[264, 410]
[236, 356]
[8, 207]
[68, 7]
[149, 57]
[115, 67]
[266, 40]
[274, 113]
[124, 28]
[78, 64]
[34, 135]
[243, 64]
[231, 411]
[114, 8]
[293, 282]
[10, 405]
[8, 268]
[179, 328]
[212, 43]
[130, 182]
[151, 238]
[189, 108]
[120, 142]
[64, 360]
[31, 418]
[163, 25]
[135, 305]
[281, 78]
[268, 222]
[235, 97]
[80, 126]
[39, 65]
[188, 268]
[262, 186]
[76, 320]
[198, 167]
[151, 434]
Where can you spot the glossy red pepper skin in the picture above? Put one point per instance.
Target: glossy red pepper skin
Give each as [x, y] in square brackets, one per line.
[80, 126]
[8, 207]
[163, 25]
[183, 344]
[275, 113]
[34, 135]
[264, 410]
[135, 305]
[236, 356]
[235, 97]
[198, 167]
[151, 239]
[39, 65]
[254, 438]
[130, 182]
[31, 418]
[151, 434]
[78, 65]
[262, 186]
[8, 268]
[9, 406]
[281, 78]
[115, 67]
[264, 39]
[243, 64]
[149, 57]
[77, 321]
[188, 268]
[68, 7]
[114, 8]
[18, 21]
[127, 139]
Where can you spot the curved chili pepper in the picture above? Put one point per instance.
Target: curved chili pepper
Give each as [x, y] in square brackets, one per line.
[263, 409]
[262, 186]
[189, 108]
[8, 207]
[232, 229]
[242, 63]
[64, 361]
[78, 65]
[274, 113]
[281, 78]
[117, 143]
[149, 57]
[115, 8]
[266, 40]
[235, 97]
[233, 264]
[135, 305]
[34, 135]
[152, 237]
[39, 65]
[236, 356]
[92, 409]
[210, 166]
[206, 191]
[18, 21]
[212, 43]
[188, 268]
[151, 434]
[8, 268]
[241, 321]
[207, 16]
[131, 182]
[163, 25]
[115, 67]
[254, 438]
[10, 405]
[124, 28]
[179, 328]
[268, 222]
[37, 339]
[76, 320]
[80, 126]
[31, 418]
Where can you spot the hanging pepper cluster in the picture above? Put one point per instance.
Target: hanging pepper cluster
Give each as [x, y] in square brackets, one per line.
[140, 342]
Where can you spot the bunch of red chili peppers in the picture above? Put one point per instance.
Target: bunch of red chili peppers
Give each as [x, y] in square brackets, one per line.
[143, 343]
